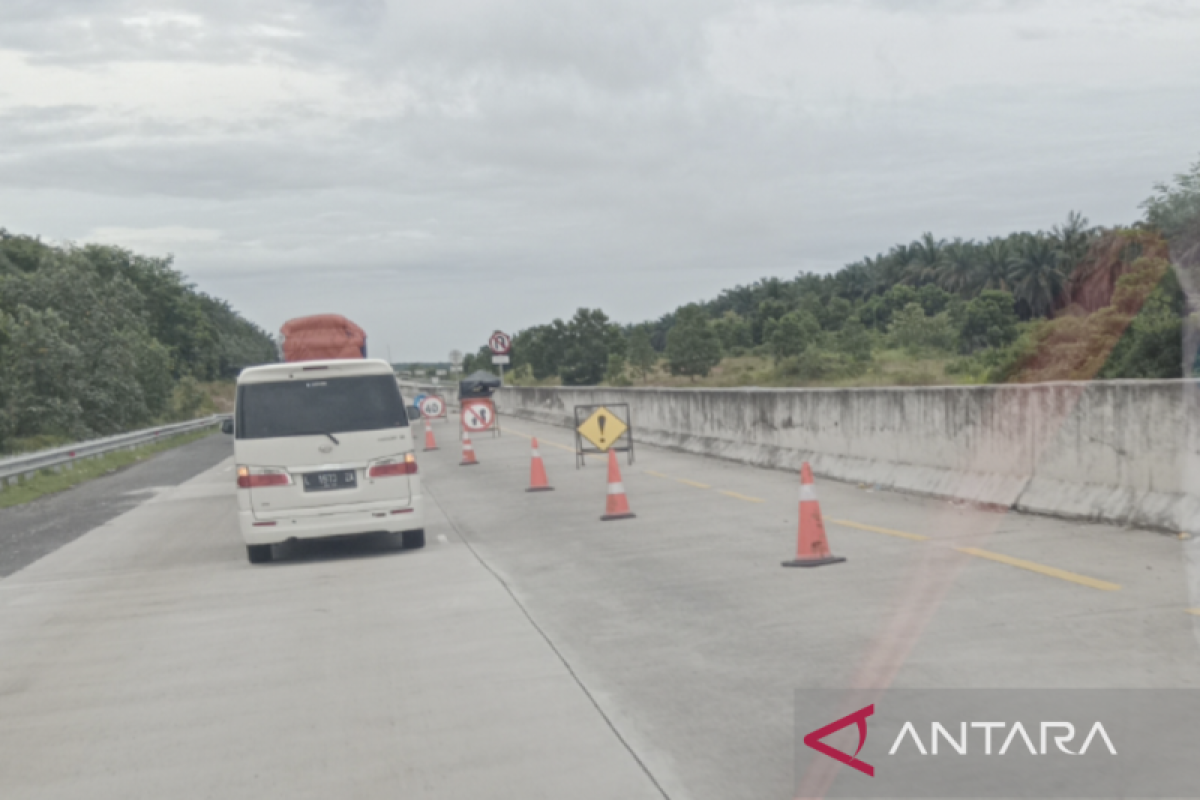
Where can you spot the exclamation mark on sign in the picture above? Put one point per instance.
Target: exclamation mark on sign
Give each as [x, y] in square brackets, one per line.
[600, 420]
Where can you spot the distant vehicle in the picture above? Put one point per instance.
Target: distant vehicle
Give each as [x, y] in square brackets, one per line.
[324, 449]
[323, 336]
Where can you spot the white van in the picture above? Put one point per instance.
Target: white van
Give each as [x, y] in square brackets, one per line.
[324, 448]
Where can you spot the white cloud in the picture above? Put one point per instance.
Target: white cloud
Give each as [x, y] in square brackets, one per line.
[442, 169]
[154, 241]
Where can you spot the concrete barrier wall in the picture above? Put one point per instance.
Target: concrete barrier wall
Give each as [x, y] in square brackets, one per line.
[1114, 451]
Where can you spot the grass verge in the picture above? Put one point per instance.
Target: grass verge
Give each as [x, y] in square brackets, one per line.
[48, 481]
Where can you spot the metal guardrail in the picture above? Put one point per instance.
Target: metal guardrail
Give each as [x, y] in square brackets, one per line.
[28, 464]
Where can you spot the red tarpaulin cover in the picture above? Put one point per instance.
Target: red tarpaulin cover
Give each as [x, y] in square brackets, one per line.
[322, 336]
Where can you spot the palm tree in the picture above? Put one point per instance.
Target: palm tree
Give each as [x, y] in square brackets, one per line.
[1073, 240]
[958, 274]
[995, 260]
[926, 259]
[1035, 271]
[890, 268]
[854, 281]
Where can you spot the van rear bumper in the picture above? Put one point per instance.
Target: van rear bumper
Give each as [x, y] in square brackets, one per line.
[346, 523]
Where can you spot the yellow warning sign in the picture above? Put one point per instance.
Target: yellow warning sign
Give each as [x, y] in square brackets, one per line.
[602, 428]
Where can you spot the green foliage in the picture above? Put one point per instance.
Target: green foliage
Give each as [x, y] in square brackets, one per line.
[93, 339]
[814, 364]
[1037, 275]
[767, 312]
[542, 348]
[1174, 208]
[835, 313]
[792, 334]
[1152, 346]
[189, 398]
[41, 375]
[479, 360]
[1131, 337]
[1071, 302]
[693, 348]
[916, 332]
[642, 357]
[590, 340]
[989, 320]
[934, 300]
[614, 374]
[854, 341]
[733, 330]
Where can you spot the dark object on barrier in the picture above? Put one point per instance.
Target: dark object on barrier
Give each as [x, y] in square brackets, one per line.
[321, 337]
[477, 385]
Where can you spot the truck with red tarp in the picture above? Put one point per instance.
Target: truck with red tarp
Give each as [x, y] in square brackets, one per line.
[321, 337]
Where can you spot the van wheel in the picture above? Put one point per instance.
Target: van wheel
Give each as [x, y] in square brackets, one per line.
[414, 540]
[258, 553]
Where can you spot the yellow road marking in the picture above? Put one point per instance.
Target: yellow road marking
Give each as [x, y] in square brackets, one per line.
[543, 441]
[916, 537]
[1195, 611]
[745, 497]
[1020, 563]
[1041, 569]
[1032, 566]
[684, 481]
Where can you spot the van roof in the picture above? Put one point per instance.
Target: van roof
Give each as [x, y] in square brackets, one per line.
[332, 368]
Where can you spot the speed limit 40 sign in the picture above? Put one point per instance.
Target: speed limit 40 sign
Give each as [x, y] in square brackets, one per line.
[432, 407]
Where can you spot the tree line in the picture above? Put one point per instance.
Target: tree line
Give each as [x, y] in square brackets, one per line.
[95, 340]
[1072, 302]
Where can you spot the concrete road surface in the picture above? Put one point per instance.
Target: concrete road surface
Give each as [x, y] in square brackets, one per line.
[31, 530]
[533, 651]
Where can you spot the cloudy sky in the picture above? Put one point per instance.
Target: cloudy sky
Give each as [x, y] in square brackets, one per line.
[436, 170]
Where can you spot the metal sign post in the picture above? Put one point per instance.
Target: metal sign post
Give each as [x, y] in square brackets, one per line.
[500, 343]
[604, 430]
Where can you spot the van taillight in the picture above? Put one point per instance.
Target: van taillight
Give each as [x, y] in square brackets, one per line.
[260, 477]
[391, 467]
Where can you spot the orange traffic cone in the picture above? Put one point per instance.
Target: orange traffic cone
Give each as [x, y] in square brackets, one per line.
[812, 549]
[537, 473]
[430, 442]
[617, 505]
[468, 451]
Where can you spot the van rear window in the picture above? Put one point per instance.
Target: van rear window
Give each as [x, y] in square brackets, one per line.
[320, 405]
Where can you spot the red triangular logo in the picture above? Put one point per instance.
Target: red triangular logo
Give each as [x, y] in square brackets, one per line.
[813, 739]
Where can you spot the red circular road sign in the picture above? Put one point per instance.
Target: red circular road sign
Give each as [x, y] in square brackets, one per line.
[500, 343]
[432, 406]
[478, 414]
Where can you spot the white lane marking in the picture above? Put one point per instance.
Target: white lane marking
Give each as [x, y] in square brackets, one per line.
[442, 538]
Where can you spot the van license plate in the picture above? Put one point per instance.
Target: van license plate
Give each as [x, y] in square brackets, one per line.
[328, 481]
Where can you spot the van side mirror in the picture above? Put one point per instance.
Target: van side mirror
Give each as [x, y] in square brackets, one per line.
[227, 425]
[414, 413]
